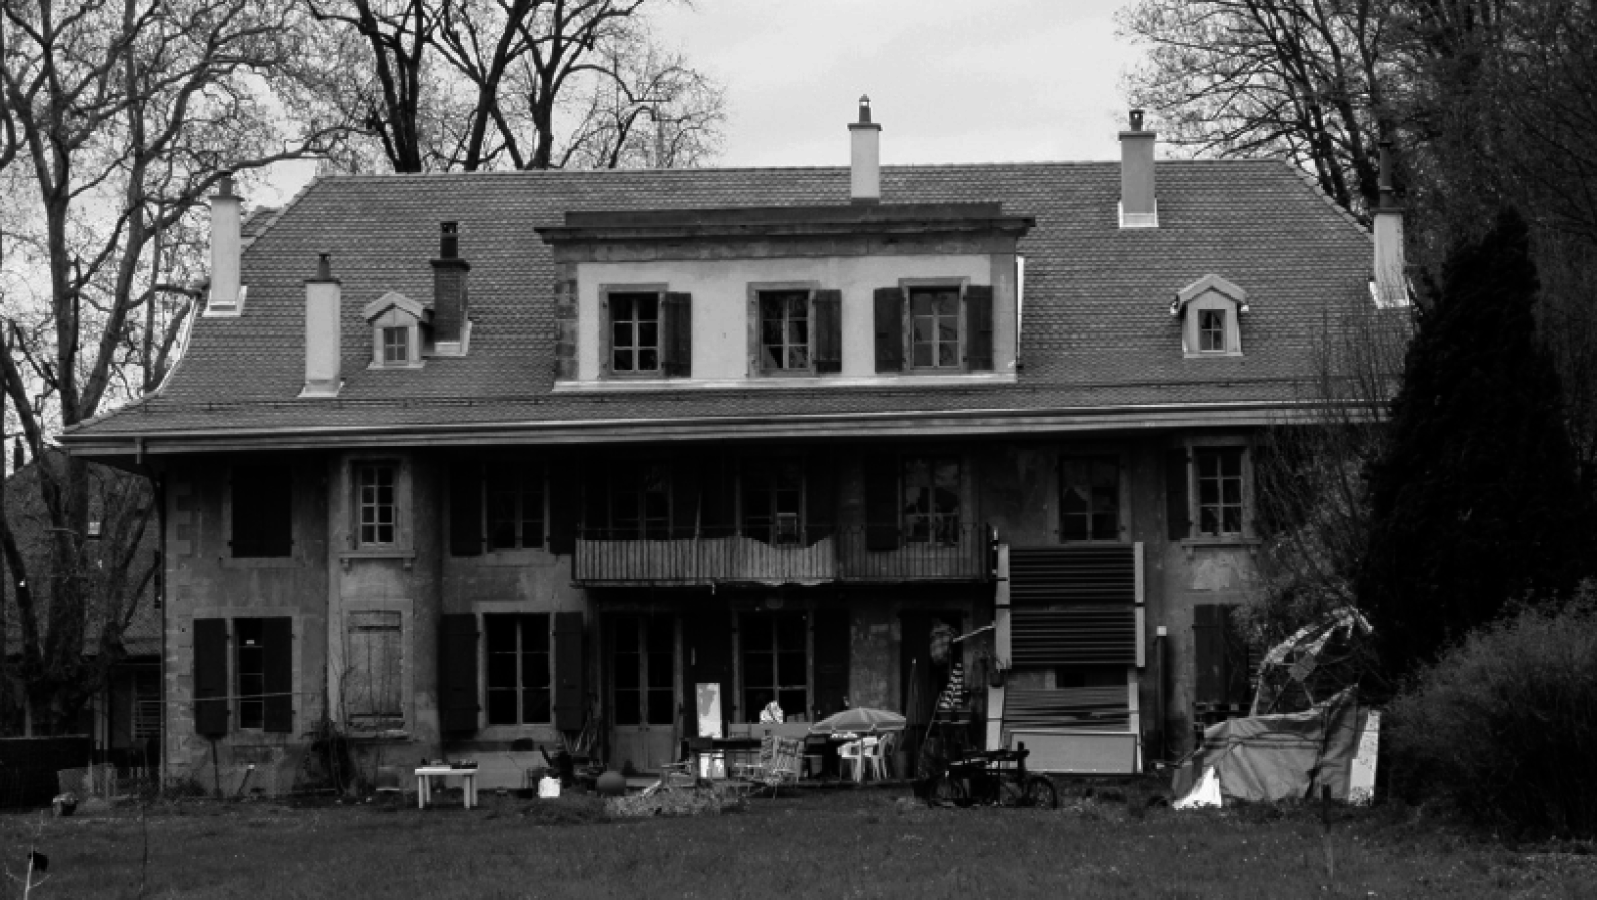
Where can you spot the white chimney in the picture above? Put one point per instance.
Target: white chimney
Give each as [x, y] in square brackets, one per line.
[1138, 206]
[226, 296]
[1389, 286]
[865, 157]
[324, 351]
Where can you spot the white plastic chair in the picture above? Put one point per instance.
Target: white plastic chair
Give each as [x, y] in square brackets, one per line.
[863, 754]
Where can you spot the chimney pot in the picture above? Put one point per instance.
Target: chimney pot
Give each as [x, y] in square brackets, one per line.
[1136, 120]
[451, 303]
[865, 156]
[1390, 284]
[449, 240]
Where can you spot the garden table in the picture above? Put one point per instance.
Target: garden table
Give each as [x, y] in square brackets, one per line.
[424, 775]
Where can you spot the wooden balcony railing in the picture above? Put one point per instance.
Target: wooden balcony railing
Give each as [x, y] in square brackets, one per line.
[812, 555]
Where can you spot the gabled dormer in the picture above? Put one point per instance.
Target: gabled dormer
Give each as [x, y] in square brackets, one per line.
[1210, 310]
[398, 326]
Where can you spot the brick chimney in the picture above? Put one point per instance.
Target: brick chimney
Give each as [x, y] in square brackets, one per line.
[1138, 206]
[226, 295]
[324, 351]
[1389, 284]
[451, 309]
[865, 157]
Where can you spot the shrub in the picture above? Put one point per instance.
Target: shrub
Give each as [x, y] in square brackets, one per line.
[1504, 725]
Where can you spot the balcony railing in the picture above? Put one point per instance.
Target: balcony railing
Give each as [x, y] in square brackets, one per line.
[811, 555]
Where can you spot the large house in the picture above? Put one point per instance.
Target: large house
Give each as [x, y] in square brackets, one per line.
[456, 461]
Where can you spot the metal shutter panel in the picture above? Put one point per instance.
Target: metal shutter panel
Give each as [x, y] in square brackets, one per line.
[277, 636]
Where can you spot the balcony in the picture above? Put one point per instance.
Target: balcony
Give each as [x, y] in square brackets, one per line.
[811, 555]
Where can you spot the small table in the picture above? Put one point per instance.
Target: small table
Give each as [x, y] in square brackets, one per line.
[468, 779]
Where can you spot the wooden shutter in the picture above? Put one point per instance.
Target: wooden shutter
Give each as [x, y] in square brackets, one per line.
[676, 337]
[820, 497]
[717, 496]
[827, 332]
[1208, 653]
[979, 328]
[210, 677]
[263, 511]
[833, 637]
[465, 508]
[570, 669]
[881, 503]
[684, 498]
[564, 505]
[595, 498]
[1177, 510]
[1087, 635]
[277, 640]
[457, 672]
[889, 330]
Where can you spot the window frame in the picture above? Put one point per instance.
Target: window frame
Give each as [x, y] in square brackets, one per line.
[908, 286]
[519, 618]
[772, 533]
[745, 632]
[231, 557]
[526, 470]
[616, 465]
[395, 317]
[1195, 446]
[230, 616]
[756, 327]
[236, 658]
[1122, 505]
[607, 331]
[1210, 295]
[906, 530]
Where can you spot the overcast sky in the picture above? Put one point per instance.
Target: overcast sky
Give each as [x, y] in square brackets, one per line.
[949, 80]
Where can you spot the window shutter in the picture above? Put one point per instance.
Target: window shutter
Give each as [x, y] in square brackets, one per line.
[820, 500]
[833, 636]
[465, 508]
[676, 338]
[570, 668]
[564, 500]
[684, 498]
[827, 332]
[457, 672]
[595, 499]
[277, 636]
[210, 677]
[1177, 511]
[889, 330]
[979, 328]
[606, 337]
[717, 497]
[881, 503]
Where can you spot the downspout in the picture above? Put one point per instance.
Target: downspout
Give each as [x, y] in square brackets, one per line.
[158, 489]
[1159, 640]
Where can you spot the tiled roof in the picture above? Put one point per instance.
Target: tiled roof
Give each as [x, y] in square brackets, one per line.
[1096, 331]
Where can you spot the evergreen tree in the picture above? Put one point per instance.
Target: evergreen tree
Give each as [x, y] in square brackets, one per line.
[1475, 503]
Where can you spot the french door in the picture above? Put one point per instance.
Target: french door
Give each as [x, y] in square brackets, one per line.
[643, 690]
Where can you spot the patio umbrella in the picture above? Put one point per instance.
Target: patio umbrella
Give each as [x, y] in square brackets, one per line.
[859, 720]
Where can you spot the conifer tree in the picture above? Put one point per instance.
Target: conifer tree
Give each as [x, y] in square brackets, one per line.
[1475, 503]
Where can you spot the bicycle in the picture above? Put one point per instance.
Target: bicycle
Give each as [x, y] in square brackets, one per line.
[993, 778]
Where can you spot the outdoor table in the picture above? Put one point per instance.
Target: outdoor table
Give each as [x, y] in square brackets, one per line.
[468, 779]
[725, 749]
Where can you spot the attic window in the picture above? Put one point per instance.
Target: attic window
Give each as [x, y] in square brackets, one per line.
[397, 330]
[1210, 311]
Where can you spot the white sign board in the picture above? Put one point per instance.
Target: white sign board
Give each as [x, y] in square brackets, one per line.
[1361, 778]
[709, 704]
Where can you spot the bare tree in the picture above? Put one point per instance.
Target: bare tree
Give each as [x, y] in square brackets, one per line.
[120, 116]
[522, 84]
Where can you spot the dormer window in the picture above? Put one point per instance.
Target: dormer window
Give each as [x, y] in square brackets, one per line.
[1210, 310]
[397, 323]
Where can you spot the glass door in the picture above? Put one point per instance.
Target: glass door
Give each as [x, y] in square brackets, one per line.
[643, 691]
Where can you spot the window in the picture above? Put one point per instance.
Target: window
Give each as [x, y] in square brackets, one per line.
[519, 683]
[643, 669]
[931, 500]
[250, 665]
[1211, 330]
[396, 345]
[1089, 498]
[785, 331]
[775, 662]
[773, 500]
[146, 704]
[262, 514]
[515, 505]
[373, 688]
[628, 500]
[634, 333]
[1219, 481]
[1209, 309]
[934, 328]
[376, 504]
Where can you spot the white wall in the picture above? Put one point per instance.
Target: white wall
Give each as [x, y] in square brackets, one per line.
[720, 302]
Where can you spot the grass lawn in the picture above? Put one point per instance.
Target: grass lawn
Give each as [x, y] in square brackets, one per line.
[872, 843]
